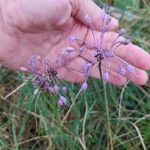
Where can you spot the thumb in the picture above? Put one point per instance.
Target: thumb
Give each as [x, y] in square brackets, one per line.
[87, 8]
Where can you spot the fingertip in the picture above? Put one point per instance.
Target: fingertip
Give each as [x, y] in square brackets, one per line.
[114, 24]
[143, 78]
[90, 15]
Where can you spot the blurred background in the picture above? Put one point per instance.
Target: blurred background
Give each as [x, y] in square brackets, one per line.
[30, 120]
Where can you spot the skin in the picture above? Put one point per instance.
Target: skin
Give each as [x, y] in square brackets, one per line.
[34, 27]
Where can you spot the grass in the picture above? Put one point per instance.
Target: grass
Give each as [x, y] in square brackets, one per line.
[34, 121]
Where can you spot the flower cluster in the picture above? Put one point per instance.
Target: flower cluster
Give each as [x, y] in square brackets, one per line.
[102, 56]
[46, 77]
[48, 80]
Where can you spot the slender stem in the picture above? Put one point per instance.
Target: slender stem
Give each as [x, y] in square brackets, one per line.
[107, 109]
[120, 103]
[69, 111]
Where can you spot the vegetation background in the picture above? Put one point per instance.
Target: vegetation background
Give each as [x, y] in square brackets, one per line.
[32, 121]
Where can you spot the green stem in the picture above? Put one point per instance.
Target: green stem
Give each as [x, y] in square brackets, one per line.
[107, 108]
[69, 111]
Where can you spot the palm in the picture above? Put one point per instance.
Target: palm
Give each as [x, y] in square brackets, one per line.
[42, 30]
[38, 36]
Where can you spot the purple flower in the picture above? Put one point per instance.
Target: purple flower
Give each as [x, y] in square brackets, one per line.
[72, 38]
[32, 62]
[62, 101]
[82, 49]
[84, 86]
[48, 87]
[86, 68]
[122, 71]
[124, 42]
[121, 32]
[88, 19]
[67, 51]
[64, 89]
[109, 54]
[130, 69]
[105, 76]
[56, 88]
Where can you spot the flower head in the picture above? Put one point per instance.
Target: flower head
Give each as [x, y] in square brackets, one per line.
[62, 101]
[84, 86]
[46, 80]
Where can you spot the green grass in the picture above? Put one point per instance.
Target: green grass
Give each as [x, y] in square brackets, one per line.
[34, 121]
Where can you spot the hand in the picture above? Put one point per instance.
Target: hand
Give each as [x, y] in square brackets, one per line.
[34, 27]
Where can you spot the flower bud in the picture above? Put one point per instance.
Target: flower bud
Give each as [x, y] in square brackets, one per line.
[121, 32]
[87, 19]
[62, 101]
[105, 76]
[84, 86]
[56, 88]
[64, 89]
[130, 69]
[122, 71]
[72, 38]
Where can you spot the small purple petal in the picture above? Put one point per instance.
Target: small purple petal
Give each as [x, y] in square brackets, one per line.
[109, 54]
[108, 20]
[84, 86]
[86, 68]
[32, 63]
[72, 38]
[122, 71]
[121, 32]
[62, 101]
[88, 19]
[65, 52]
[64, 89]
[56, 88]
[125, 42]
[45, 61]
[105, 76]
[69, 49]
[82, 49]
[48, 88]
[130, 69]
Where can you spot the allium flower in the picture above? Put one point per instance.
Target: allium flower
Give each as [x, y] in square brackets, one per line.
[122, 71]
[47, 80]
[121, 32]
[72, 38]
[105, 76]
[88, 19]
[64, 89]
[103, 56]
[62, 101]
[56, 88]
[130, 69]
[84, 86]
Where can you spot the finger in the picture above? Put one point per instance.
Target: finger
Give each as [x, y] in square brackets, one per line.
[84, 8]
[70, 75]
[130, 53]
[136, 75]
[116, 64]
[94, 72]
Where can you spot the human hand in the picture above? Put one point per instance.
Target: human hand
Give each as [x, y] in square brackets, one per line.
[34, 27]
